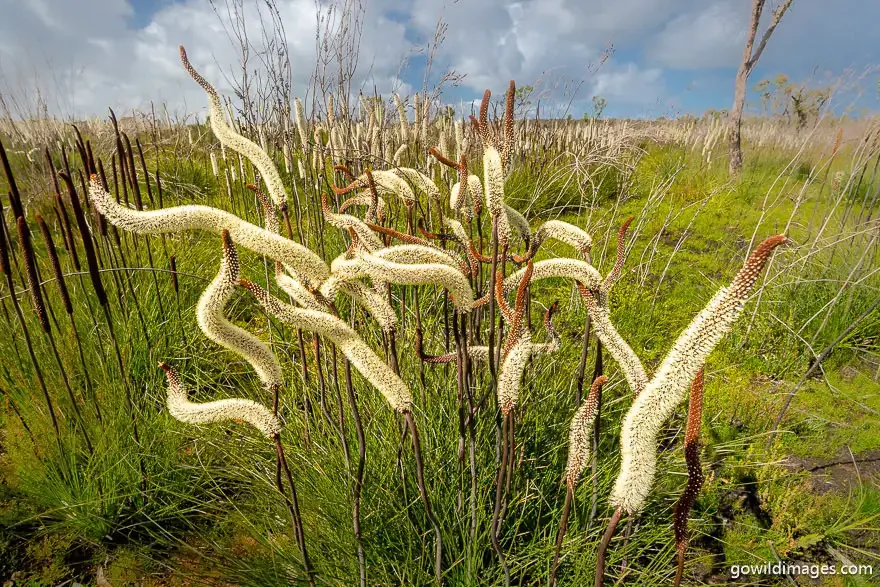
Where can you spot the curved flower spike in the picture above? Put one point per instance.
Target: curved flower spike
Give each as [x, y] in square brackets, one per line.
[365, 199]
[419, 180]
[614, 274]
[461, 235]
[222, 410]
[387, 182]
[412, 253]
[374, 302]
[655, 404]
[518, 222]
[563, 232]
[510, 374]
[600, 316]
[617, 347]
[381, 269]
[232, 140]
[182, 218]
[519, 308]
[570, 268]
[580, 439]
[296, 290]
[209, 313]
[362, 357]
[366, 237]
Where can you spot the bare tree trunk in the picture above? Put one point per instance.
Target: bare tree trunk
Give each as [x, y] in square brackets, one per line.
[734, 121]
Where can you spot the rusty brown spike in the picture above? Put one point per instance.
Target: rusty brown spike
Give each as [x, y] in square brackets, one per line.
[695, 473]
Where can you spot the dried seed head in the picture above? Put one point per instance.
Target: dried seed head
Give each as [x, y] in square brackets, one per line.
[695, 471]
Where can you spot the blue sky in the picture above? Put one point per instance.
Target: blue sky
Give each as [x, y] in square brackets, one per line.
[671, 56]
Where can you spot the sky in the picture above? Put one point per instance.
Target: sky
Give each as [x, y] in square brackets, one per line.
[670, 57]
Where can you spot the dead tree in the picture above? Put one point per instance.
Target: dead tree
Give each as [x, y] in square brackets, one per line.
[750, 58]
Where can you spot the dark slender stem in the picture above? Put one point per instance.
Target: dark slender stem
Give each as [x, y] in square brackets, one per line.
[603, 547]
[563, 526]
[359, 475]
[420, 481]
[582, 365]
[293, 507]
[499, 492]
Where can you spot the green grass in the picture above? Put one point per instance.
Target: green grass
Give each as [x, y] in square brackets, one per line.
[207, 509]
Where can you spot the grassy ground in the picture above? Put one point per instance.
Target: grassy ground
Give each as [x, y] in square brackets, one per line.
[206, 510]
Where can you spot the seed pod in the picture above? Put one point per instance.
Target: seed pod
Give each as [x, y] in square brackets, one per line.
[88, 246]
[56, 265]
[66, 229]
[30, 263]
[14, 196]
[5, 267]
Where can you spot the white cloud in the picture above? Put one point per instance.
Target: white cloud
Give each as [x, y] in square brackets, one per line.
[712, 36]
[630, 84]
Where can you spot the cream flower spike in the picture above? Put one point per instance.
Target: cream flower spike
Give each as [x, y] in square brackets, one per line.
[600, 317]
[362, 357]
[399, 153]
[222, 410]
[379, 269]
[510, 374]
[493, 176]
[617, 347]
[561, 267]
[580, 437]
[461, 235]
[518, 347]
[209, 313]
[419, 180]
[366, 237]
[464, 204]
[387, 182]
[563, 232]
[232, 140]
[182, 218]
[653, 407]
[417, 254]
[365, 199]
[375, 302]
[297, 291]
[518, 222]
